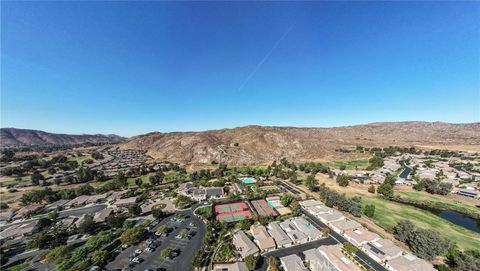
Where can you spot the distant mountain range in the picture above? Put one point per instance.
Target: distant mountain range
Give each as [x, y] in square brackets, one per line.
[259, 144]
[10, 137]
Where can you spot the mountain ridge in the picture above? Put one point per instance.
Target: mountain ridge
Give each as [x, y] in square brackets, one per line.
[255, 144]
[15, 137]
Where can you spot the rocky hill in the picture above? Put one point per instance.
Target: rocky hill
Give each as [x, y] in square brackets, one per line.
[10, 137]
[257, 144]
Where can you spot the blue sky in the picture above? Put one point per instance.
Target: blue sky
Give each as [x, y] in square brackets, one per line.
[130, 68]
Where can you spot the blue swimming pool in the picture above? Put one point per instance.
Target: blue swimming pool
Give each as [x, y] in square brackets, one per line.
[248, 180]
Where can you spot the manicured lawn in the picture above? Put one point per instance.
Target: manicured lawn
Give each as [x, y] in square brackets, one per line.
[349, 164]
[388, 213]
[8, 181]
[79, 159]
[424, 196]
[131, 181]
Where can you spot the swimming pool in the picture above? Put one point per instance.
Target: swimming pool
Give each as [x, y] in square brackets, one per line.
[248, 180]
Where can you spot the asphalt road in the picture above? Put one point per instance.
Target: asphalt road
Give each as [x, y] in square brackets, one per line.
[404, 174]
[153, 260]
[295, 250]
[72, 212]
[360, 256]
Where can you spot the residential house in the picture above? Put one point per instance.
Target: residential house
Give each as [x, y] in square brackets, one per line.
[337, 259]
[102, 215]
[382, 250]
[26, 211]
[21, 230]
[80, 200]
[360, 236]
[59, 203]
[126, 202]
[236, 266]
[307, 228]
[292, 263]
[408, 262]
[297, 236]
[330, 216]
[244, 245]
[261, 237]
[316, 261]
[185, 188]
[343, 225]
[280, 237]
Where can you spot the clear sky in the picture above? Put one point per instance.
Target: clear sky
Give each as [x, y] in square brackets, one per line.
[130, 68]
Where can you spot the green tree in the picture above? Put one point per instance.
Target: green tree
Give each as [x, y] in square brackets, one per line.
[162, 229]
[385, 189]
[369, 210]
[138, 182]
[135, 210]
[99, 257]
[403, 229]
[166, 253]
[427, 244]
[310, 182]
[287, 199]
[273, 264]
[132, 236]
[84, 174]
[251, 262]
[157, 178]
[36, 177]
[87, 226]
[349, 248]
[375, 162]
[343, 180]
[183, 233]
[57, 254]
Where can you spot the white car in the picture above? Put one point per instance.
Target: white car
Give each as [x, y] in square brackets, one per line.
[178, 236]
[138, 251]
[149, 249]
[137, 260]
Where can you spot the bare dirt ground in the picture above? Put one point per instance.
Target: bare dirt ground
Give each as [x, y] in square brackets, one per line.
[466, 148]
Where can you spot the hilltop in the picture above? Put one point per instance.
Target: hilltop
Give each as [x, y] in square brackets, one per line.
[260, 144]
[11, 137]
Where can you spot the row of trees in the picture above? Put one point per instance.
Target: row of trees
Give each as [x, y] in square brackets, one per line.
[341, 201]
[425, 243]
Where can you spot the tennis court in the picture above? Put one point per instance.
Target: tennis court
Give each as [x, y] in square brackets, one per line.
[233, 217]
[262, 208]
[230, 207]
[231, 212]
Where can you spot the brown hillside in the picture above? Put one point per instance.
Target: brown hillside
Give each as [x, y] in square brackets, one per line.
[257, 144]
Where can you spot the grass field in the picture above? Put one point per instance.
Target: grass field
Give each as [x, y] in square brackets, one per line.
[349, 164]
[10, 180]
[388, 213]
[79, 159]
[131, 181]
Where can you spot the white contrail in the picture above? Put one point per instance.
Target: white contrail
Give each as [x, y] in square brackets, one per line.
[265, 58]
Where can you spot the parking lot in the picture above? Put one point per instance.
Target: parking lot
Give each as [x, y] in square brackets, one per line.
[185, 247]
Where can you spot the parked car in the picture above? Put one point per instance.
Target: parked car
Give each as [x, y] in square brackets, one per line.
[149, 249]
[137, 260]
[138, 251]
